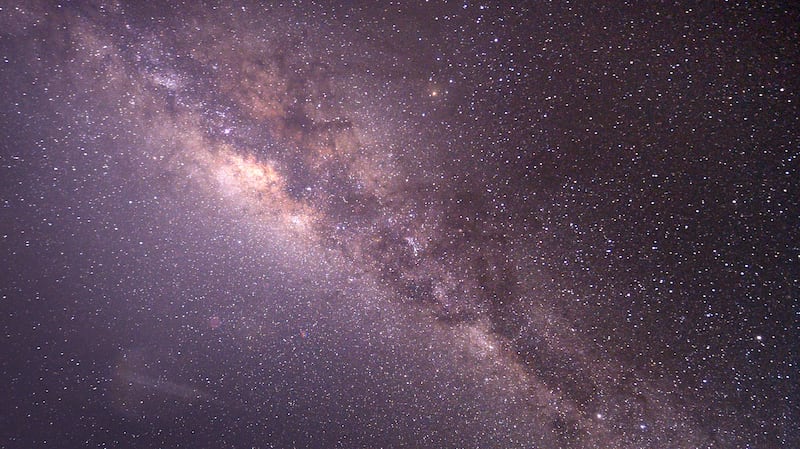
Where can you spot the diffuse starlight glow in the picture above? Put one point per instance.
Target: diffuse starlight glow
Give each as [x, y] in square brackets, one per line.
[404, 226]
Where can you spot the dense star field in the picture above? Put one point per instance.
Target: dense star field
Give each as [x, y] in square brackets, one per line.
[388, 224]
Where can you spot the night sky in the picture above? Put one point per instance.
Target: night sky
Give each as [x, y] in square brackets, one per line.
[389, 224]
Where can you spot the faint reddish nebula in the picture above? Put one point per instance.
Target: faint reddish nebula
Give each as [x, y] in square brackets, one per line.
[215, 322]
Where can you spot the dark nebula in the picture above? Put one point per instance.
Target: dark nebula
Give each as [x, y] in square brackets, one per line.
[380, 224]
